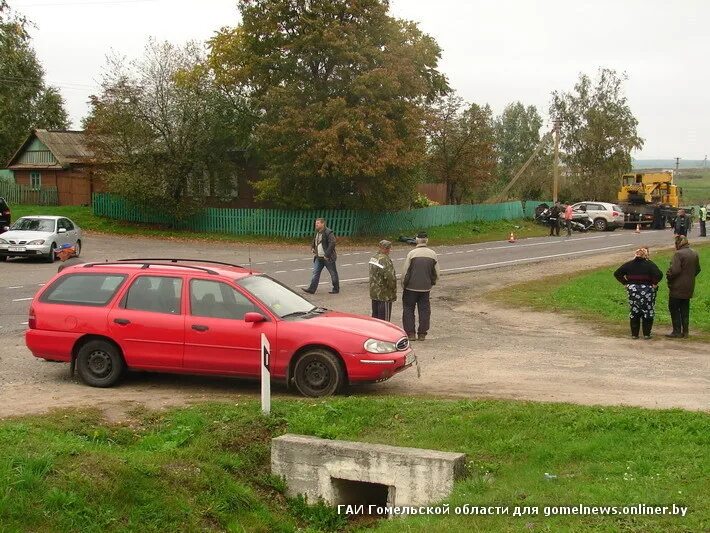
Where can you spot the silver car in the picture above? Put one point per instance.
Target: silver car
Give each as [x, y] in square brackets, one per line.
[39, 236]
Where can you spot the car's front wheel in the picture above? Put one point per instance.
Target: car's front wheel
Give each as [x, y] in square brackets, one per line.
[318, 373]
[77, 248]
[50, 257]
[600, 224]
[99, 364]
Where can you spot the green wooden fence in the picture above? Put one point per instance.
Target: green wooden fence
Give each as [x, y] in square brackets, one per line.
[286, 223]
[24, 194]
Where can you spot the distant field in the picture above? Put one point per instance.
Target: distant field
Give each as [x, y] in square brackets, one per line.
[695, 183]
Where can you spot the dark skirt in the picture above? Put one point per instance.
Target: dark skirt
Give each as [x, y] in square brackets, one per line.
[642, 300]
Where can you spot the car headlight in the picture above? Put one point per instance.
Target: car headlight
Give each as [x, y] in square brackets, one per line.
[3, 241]
[375, 346]
[37, 241]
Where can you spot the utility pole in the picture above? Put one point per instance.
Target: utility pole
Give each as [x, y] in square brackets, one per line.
[556, 167]
[705, 163]
[677, 163]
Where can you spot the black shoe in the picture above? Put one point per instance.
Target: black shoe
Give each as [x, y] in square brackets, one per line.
[308, 291]
[421, 337]
[334, 292]
[412, 337]
[647, 337]
[634, 336]
[673, 335]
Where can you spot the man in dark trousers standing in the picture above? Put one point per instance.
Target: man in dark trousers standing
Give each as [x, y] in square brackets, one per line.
[703, 219]
[685, 266]
[421, 271]
[324, 256]
[383, 282]
[554, 219]
[682, 224]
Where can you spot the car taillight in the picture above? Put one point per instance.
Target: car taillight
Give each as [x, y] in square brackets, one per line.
[6, 213]
[32, 321]
[615, 213]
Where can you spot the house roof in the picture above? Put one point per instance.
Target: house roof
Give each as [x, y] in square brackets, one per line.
[67, 147]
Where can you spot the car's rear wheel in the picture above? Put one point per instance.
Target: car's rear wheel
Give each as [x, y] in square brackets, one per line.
[77, 249]
[99, 364]
[600, 224]
[318, 373]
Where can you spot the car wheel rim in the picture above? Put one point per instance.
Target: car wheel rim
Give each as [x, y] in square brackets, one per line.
[317, 375]
[99, 364]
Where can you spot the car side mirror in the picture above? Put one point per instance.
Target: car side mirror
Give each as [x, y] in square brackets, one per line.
[62, 230]
[254, 317]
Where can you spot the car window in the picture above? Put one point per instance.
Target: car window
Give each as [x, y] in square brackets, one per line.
[33, 224]
[68, 224]
[83, 289]
[218, 300]
[617, 208]
[159, 294]
[595, 207]
[277, 297]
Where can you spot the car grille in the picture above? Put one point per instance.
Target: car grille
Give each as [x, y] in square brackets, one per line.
[17, 242]
[402, 344]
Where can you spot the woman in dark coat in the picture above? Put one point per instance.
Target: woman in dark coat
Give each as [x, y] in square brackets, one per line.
[641, 277]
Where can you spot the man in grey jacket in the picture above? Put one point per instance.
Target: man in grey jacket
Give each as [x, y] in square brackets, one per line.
[324, 256]
[421, 271]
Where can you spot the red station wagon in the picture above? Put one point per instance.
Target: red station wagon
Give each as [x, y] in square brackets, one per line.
[204, 317]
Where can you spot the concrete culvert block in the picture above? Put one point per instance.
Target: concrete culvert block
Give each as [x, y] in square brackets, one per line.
[353, 473]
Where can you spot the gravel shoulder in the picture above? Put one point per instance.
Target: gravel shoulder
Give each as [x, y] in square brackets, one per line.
[476, 349]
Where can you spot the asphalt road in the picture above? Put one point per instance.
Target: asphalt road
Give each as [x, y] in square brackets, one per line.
[21, 278]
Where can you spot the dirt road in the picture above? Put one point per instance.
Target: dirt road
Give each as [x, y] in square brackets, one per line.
[475, 349]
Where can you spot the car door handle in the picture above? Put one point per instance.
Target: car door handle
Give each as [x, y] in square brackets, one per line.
[198, 327]
[122, 321]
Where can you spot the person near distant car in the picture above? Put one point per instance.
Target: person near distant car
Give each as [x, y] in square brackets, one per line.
[685, 266]
[703, 219]
[421, 272]
[66, 253]
[324, 256]
[383, 282]
[554, 219]
[682, 224]
[641, 277]
[568, 219]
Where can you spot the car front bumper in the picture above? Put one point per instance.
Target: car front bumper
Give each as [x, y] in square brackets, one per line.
[369, 367]
[24, 250]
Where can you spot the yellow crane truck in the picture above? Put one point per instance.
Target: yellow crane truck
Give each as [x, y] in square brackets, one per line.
[649, 198]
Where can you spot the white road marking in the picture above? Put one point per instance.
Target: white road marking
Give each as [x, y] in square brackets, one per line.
[23, 323]
[278, 261]
[360, 263]
[292, 260]
[280, 271]
[16, 287]
[261, 263]
[21, 299]
[299, 269]
[347, 265]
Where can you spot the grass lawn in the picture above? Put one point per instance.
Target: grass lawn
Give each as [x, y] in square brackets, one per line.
[597, 297]
[206, 468]
[461, 233]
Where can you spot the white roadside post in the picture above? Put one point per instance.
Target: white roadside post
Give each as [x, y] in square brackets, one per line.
[265, 375]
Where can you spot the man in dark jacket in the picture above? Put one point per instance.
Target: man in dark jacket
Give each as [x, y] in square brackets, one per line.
[685, 266]
[682, 224]
[421, 271]
[554, 219]
[324, 256]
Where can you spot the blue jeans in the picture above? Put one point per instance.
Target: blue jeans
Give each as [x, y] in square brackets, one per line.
[318, 264]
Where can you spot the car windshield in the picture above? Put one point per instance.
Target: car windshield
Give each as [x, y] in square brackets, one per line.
[617, 208]
[277, 297]
[33, 224]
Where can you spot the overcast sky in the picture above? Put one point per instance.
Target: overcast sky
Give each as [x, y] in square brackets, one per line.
[494, 52]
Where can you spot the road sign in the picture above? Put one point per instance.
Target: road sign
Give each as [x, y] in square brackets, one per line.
[265, 375]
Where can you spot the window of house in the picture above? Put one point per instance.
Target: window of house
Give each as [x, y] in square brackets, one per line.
[36, 180]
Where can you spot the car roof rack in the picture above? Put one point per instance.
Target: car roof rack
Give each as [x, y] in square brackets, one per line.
[144, 264]
[177, 260]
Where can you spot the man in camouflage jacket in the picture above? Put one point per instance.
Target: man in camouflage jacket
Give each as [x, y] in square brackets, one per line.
[383, 282]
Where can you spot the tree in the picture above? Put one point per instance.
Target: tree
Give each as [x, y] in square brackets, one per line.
[340, 88]
[598, 133]
[517, 136]
[461, 148]
[168, 137]
[26, 102]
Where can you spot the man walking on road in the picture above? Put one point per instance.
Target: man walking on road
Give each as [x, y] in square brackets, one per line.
[554, 219]
[568, 219]
[421, 271]
[685, 266]
[383, 282]
[324, 256]
[703, 219]
[682, 224]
